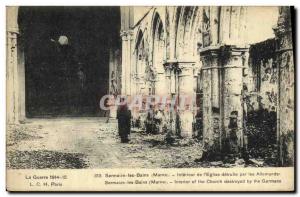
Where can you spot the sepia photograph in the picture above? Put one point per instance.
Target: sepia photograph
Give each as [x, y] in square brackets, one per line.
[150, 87]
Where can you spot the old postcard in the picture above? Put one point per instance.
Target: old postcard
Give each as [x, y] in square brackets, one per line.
[153, 98]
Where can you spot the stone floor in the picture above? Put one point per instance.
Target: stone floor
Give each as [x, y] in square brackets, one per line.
[91, 143]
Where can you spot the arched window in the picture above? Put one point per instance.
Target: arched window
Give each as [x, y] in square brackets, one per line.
[156, 70]
[140, 55]
[158, 44]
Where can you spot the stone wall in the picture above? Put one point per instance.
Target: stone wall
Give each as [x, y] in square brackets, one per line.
[261, 101]
[286, 68]
[263, 76]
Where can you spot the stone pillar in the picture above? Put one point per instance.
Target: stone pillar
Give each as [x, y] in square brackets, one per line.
[126, 61]
[127, 21]
[232, 80]
[21, 79]
[171, 70]
[112, 69]
[12, 73]
[130, 59]
[211, 99]
[186, 95]
[286, 88]
[222, 78]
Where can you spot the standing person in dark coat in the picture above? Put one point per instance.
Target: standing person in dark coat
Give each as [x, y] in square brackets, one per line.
[124, 121]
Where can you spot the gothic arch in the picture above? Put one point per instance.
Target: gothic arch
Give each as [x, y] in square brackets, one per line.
[195, 33]
[182, 32]
[187, 22]
[140, 53]
[158, 42]
[139, 37]
[156, 69]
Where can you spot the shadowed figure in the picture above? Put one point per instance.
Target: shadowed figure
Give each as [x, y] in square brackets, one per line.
[124, 122]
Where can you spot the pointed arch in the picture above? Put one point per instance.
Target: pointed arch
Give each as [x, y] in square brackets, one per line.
[156, 68]
[138, 39]
[187, 21]
[140, 53]
[158, 42]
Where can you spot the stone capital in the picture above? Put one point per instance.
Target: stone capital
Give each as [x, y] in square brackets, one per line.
[13, 30]
[210, 51]
[215, 57]
[209, 56]
[185, 68]
[171, 65]
[233, 50]
[186, 64]
[221, 49]
[126, 34]
[231, 53]
[12, 35]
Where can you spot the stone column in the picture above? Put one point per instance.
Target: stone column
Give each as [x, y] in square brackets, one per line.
[21, 79]
[211, 99]
[112, 69]
[232, 79]
[286, 88]
[171, 70]
[12, 85]
[186, 96]
[222, 78]
[130, 59]
[126, 61]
